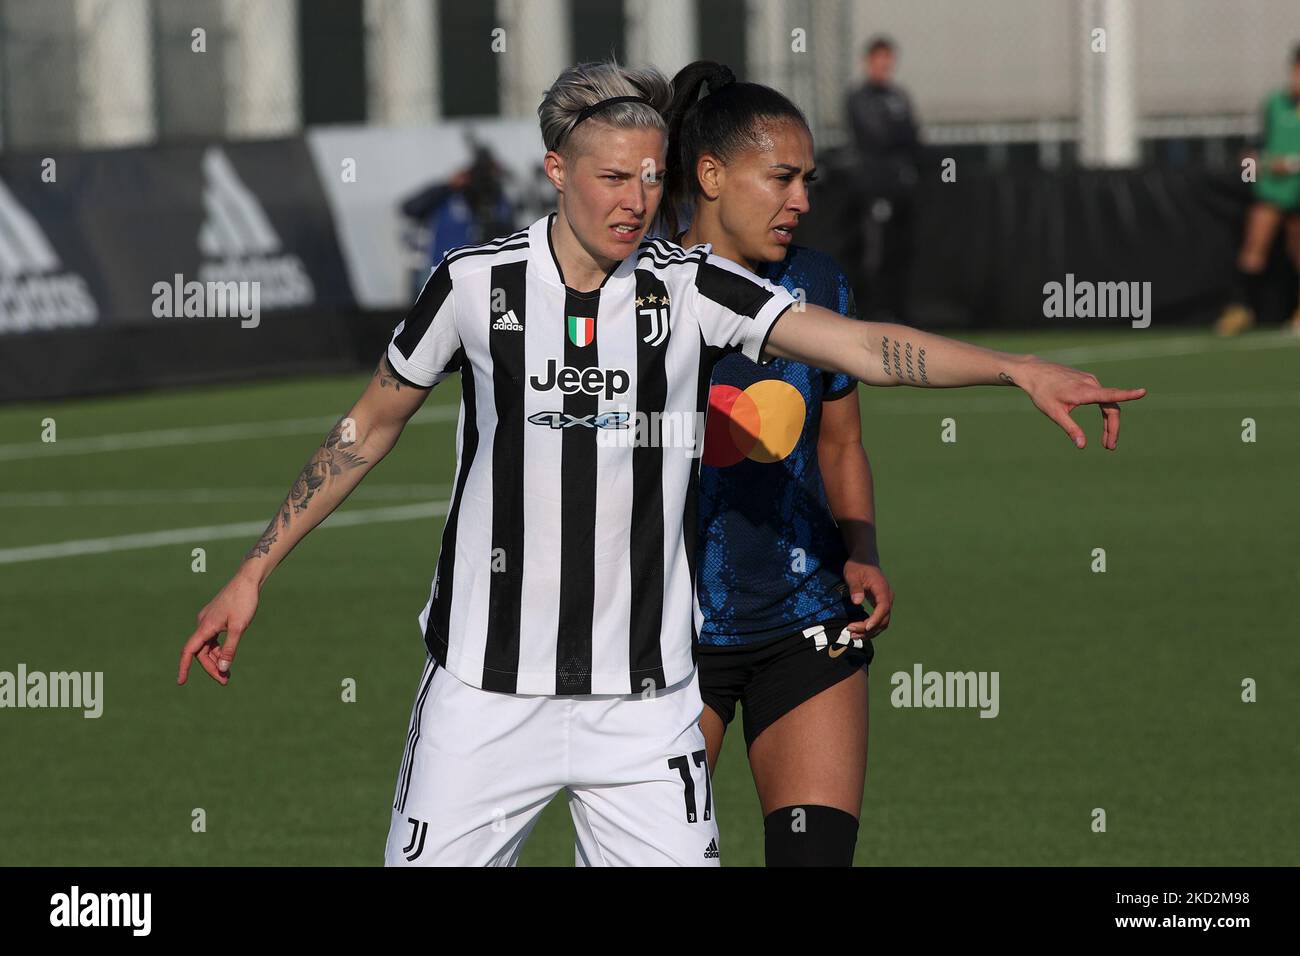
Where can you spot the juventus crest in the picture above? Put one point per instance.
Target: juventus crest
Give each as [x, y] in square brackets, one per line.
[652, 318]
[419, 829]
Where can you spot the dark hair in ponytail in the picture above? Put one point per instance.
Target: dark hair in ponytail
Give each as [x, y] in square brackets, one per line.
[713, 113]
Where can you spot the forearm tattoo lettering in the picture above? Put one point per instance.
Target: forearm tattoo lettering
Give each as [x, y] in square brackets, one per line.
[908, 361]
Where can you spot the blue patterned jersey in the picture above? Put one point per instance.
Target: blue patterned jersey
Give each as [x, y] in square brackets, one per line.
[771, 556]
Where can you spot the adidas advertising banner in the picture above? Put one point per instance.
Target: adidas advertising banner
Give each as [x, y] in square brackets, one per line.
[227, 232]
[47, 276]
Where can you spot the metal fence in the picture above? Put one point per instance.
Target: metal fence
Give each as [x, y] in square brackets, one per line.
[93, 73]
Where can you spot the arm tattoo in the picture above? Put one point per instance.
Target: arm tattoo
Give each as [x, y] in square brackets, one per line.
[1006, 378]
[904, 354]
[330, 460]
[264, 543]
[384, 372]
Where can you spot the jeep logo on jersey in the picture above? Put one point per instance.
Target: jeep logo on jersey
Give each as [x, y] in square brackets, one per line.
[239, 243]
[590, 381]
[565, 420]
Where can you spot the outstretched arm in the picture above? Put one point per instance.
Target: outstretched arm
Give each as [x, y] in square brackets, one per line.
[883, 353]
[356, 443]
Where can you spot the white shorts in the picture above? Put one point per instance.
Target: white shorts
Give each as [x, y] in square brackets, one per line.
[480, 766]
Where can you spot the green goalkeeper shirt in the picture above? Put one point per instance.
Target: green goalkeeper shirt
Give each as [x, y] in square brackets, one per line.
[1281, 137]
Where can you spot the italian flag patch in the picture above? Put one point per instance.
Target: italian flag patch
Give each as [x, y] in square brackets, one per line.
[581, 330]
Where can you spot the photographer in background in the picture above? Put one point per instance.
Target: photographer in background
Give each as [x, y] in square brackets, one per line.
[469, 208]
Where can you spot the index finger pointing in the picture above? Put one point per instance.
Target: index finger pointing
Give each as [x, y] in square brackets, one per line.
[1118, 394]
[202, 634]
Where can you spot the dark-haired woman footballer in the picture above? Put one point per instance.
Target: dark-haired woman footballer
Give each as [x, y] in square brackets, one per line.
[787, 524]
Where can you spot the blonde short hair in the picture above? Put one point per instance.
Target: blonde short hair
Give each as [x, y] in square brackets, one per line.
[587, 84]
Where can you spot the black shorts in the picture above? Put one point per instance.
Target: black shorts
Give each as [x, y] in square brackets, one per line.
[773, 677]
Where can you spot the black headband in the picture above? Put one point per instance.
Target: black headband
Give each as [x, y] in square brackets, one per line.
[589, 111]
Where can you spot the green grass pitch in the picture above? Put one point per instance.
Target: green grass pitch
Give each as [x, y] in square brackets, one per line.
[1119, 690]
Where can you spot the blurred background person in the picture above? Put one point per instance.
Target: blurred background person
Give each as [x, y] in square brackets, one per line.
[885, 134]
[1277, 204]
[469, 208]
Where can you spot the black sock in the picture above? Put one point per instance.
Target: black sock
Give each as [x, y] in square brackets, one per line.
[809, 835]
[1248, 286]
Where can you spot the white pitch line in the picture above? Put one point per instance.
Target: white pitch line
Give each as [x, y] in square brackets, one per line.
[1172, 348]
[170, 496]
[194, 536]
[161, 438]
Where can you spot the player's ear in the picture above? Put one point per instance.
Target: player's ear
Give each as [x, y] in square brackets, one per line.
[553, 165]
[710, 173]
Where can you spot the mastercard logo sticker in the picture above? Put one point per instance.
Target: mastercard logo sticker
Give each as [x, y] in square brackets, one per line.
[761, 423]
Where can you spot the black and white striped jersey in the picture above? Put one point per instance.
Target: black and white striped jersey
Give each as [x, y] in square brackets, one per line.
[568, 556]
